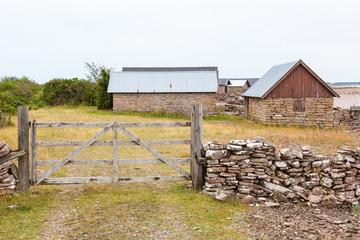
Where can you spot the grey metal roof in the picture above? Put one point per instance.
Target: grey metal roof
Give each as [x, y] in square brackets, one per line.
[163, 81]
[269, 79]
[251, 81]
[223, 81]
[167, 69]
[237, 82]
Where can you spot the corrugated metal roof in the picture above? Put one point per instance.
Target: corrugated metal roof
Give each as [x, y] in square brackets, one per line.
[269, 79]
[237, 83]
[251, 81]
[162, 81]
[167, 69]
[223, 81]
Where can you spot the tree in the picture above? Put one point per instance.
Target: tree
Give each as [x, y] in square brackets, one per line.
[100, 75]
[103, 99]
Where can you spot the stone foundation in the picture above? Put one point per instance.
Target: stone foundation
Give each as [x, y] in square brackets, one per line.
[167, 102]
[256, 171]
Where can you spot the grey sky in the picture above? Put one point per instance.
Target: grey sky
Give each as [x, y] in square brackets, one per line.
[45, 39]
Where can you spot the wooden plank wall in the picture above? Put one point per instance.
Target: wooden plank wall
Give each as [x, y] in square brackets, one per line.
[300, 83]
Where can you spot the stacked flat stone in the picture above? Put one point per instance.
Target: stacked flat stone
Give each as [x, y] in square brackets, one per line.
[231, 103]
[349, 118]
[255, 170]
[7, 179]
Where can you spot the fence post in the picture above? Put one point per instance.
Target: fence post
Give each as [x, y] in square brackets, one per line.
[115, 153]
[196, 169]
[23, 144]
[33, 151]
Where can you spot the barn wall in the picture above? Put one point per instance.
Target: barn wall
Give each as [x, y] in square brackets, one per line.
[169, 102]
[221, 89]
[300, 83]
[318, 111]
[236, 90]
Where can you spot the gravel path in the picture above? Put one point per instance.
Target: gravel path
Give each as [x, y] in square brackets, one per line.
[291, 221]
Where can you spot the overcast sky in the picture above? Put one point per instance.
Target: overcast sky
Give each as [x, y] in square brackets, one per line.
[45, 39]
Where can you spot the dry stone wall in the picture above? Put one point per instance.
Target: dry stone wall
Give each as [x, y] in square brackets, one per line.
[255, 171]
[232, 104]
[7, 172]
[348, 118]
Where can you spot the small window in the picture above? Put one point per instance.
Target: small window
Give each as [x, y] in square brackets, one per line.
[299, 105]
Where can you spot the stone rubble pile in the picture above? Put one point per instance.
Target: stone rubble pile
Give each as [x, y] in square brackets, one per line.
[231, 103]
[349, 118]
[8, 172]
[256, 171]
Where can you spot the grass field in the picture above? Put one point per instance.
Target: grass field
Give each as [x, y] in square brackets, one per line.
[138, 210]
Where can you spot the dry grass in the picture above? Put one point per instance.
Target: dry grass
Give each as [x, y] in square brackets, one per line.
[141, 210]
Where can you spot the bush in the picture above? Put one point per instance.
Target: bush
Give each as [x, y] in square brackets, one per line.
[69, 92]
[16, 92]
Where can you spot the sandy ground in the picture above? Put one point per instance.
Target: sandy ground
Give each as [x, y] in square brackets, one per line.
[348, 97]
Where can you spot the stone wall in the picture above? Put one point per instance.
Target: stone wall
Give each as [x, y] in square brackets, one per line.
[256, 171]
[232, 104]
[7, 172]
[318, 111]
[167, 102]
[236, 90]
[348, 118]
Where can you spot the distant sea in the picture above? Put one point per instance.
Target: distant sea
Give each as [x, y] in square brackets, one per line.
[345, 85]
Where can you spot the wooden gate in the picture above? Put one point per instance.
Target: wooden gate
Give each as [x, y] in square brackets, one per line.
[195, 159]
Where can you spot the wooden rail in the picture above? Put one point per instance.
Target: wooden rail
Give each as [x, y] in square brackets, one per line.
[12, 155]
[110, 162]
[110, 143]
[103, 125]
[83, 180]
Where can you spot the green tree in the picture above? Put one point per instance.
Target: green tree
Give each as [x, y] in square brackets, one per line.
[104, 99]
[100, 75]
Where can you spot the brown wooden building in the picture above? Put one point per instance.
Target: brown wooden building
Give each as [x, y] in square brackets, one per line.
[291, 94]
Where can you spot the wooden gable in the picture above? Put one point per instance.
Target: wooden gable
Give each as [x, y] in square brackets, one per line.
[300, 82]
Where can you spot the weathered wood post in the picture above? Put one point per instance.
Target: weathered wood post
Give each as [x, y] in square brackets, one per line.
[33, 151]
[115, 153]
[196, 169]
[23, 144]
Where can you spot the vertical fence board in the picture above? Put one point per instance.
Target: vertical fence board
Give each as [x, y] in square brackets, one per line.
[33, 152]
[23, 144]
[196, 169]
[115, 153]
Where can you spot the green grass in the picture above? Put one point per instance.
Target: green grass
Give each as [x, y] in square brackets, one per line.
[21, 216]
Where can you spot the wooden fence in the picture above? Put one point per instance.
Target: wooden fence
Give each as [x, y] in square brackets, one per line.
[196, 174]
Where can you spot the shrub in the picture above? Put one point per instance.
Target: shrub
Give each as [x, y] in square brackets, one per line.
[68, 92]
[16, 92]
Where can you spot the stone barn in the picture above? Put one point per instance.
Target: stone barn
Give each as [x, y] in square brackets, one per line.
[223, 85]
[291, 94]
[172, 90]
[237, 86]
